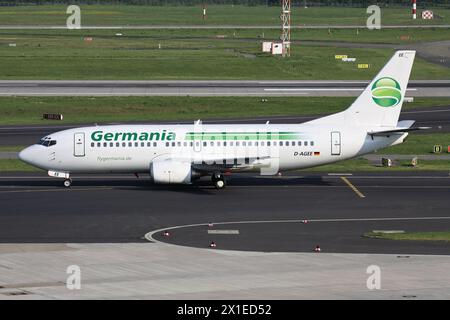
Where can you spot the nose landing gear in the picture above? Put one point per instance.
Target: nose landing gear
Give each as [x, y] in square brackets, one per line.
[67, 183]
[57, 174]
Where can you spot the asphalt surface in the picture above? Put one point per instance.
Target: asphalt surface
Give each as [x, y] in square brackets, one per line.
[418, 88]
[267, 211]
[438, 118]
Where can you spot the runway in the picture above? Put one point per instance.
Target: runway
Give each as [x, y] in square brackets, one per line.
[267, 211]
[438, 118]
[418, 88]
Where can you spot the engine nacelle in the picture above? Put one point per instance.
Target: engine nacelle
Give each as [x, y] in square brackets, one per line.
[171, 172]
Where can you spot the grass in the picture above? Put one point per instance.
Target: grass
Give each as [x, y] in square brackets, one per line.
[15, 165]
[63, 54]
[361, 164]
[29, 110]
[420, 144]
[412, 236]
[216, 15]
[6, 148]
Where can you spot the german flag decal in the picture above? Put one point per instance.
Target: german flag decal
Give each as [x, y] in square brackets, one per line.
[316, 153]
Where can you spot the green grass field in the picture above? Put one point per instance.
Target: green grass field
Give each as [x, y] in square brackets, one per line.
[216, 15]
[15, 165]
[29, 110]
[361, 164]
[411, 236]
[63, 54]
[420, 144]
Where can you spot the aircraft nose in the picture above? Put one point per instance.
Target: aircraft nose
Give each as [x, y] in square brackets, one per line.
[26, 155]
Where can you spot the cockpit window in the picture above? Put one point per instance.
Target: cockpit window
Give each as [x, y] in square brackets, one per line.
[47, 142]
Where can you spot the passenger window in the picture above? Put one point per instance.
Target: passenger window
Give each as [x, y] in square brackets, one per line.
[287, 143]
[111, 144]
[149, 144]
[299, 143]
[117, 144]
[173, 144]
[281, 143]
[167, 144]
[155, 144]
[142, 144]
[275, 143]
[191, 144]
[244, 143]
[92, 144]
[237, 144]
[312, 143]
[130, 144]
[306, 143]
[262, 143]
[124, 144]
[204, 144]
[105, 144]
[224, 143]
[268, 143]
[212, 143]
[249, 143]
[218, 143]
[231, 143]
[99, 144]
[185, 144]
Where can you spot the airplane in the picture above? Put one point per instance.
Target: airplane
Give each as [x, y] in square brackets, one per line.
[182, 153]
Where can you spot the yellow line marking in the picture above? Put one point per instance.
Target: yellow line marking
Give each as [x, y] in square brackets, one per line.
[353, 187]
[55, 190]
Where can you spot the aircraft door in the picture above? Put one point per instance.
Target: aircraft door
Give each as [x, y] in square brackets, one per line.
[335, 143]
[78, 142]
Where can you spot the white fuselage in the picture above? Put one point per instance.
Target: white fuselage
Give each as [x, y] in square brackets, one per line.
[132, 148]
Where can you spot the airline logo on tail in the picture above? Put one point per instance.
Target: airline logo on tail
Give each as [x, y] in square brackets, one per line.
[386, 92]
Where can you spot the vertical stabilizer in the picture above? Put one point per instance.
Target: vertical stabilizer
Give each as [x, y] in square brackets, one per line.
[381, 102]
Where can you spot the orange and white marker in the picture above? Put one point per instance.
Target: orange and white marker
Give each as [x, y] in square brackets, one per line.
[414, 9]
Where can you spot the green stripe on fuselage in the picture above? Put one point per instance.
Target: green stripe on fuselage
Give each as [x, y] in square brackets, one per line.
[243, 136]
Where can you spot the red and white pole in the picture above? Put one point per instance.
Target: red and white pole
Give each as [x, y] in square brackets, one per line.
[414, 9]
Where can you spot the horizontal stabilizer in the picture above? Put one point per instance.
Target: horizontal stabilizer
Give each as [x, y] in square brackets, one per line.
[402, 130]
[402, 127]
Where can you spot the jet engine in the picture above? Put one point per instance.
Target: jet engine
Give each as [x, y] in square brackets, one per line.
[171, 172]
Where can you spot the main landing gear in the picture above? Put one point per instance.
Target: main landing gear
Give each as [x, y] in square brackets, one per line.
[219, 181]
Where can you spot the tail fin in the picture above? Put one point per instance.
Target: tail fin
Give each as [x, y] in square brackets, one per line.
[381, 102]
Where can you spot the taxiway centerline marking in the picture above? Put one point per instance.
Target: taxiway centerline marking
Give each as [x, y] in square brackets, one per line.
[353, 187]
